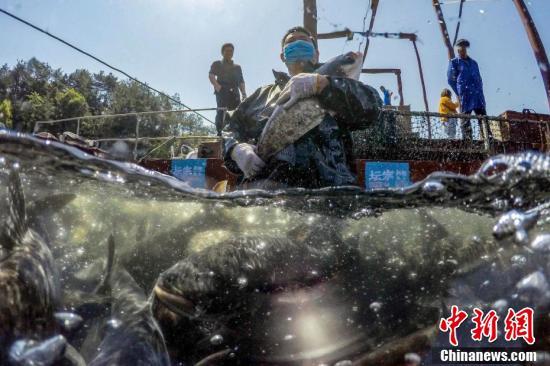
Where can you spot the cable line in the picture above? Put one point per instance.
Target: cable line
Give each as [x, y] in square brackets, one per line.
[100, 61]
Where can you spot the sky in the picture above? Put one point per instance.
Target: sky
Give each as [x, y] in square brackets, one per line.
[170, 44]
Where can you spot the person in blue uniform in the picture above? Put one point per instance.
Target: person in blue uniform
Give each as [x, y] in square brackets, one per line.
[387, 95]
[465, 79]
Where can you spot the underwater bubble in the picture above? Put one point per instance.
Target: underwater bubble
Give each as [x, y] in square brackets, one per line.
[521, 237]
[30, 352]
[500, 305]
[344, 363]
[375, 306]
[515, 223]
[433, 188]
[536, 281]
[412, 358]
[289, 337]
[242, 282]
[216, 339]
[114, 323]
[364, 212]
[518, 260]
[69, 321]
[500, 204]
[541, 243]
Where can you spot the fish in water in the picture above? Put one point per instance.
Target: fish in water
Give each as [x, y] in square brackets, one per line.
[214, 298]
[133, 337]
[29, 281]
[285, 126]
[238, 290]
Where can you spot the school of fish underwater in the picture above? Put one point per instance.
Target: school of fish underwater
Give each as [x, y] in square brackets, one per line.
[106, 263]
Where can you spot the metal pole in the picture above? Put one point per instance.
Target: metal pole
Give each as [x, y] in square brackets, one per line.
[423, 87]
[536, 44]
[346, 33]
[396, 72]
[459, 20]
[100, 116]
[374, 8]
[310, 16]
[136, 138]
[443, 27]
[421, 76]
[400, 88]
[78, 126]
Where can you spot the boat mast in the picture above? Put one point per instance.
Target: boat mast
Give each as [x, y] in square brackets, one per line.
[310, 23]
[461, 7]
[536, 44]
[374, 8]
[443, 27]
[310, 16]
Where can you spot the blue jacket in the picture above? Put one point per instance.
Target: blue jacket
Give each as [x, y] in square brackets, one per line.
[464, 78]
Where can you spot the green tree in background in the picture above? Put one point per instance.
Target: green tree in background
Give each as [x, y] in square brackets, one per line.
[35, 108]
[6, 113]
[36, 91]
[70, 103]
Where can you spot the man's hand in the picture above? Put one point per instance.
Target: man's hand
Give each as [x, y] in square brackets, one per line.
[246, 158]
[301, 86]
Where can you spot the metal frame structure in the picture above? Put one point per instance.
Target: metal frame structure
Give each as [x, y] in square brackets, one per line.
[409, 36]
[536, 43]
[137, 114]
[397, 73]
[443, 27]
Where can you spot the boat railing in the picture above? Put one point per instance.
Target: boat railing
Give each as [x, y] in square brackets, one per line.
[490, 130]
[407, 130]
[94, 123]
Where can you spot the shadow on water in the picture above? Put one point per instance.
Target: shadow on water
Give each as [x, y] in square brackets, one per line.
[296, 276]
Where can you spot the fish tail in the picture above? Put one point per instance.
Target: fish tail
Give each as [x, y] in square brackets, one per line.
[16, 222]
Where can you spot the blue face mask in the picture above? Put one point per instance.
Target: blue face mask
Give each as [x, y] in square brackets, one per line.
[299, 51]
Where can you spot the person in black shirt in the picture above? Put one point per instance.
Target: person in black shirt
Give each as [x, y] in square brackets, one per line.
[227, 79]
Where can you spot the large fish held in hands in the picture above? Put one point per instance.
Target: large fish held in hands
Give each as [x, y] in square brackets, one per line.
[286, 126]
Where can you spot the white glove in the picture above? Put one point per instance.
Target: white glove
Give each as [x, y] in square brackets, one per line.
[298, 87]
[246, 158]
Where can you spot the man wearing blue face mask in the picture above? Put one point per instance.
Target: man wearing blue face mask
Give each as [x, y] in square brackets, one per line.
[322, 156]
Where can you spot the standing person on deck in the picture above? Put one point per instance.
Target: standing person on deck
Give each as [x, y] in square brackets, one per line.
[321, 157]
[387, 95]
[227, 79]
[446, 106]
[465, 80]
